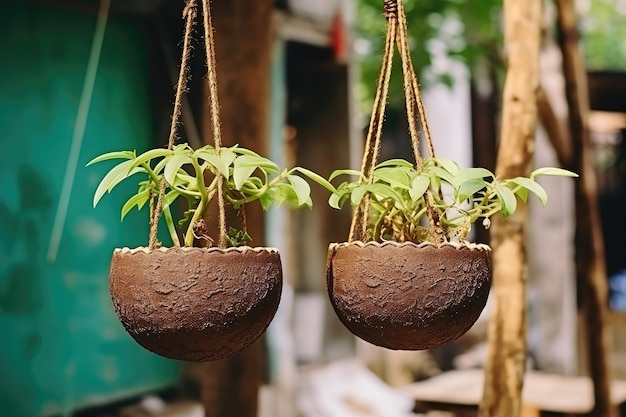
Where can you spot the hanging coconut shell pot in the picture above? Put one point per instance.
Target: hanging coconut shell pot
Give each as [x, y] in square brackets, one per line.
[389, 284]
[196, 304]
[408, 296]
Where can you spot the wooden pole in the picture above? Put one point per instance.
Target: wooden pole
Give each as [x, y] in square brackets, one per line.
[243, 41]
[590, 260]
[507, 328]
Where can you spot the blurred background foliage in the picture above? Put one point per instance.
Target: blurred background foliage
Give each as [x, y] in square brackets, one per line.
[603, 28]
[470, 32]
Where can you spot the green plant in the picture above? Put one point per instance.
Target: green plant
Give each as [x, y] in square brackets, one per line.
[193, 176]
[401, 198]
[434, 200]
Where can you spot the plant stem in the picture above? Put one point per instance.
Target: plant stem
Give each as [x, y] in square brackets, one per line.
[167, 214]
[204, 199]
[154, 177]
[379, 222]
[197, 215]
[199, 179]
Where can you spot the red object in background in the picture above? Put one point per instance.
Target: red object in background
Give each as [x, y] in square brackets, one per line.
[338, 39]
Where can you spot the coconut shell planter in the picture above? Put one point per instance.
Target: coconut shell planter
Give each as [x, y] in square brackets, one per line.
[196, 304]
[408, 296]
[416, 283]
[209, 295]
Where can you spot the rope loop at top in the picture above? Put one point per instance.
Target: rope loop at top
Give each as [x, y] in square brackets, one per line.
[397, 35]
[190, 7]
[391, 9]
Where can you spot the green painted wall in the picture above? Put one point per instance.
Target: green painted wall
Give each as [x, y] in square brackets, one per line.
[61, 346]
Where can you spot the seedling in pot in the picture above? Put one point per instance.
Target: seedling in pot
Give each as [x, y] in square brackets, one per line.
[398, 194]
[192, 176]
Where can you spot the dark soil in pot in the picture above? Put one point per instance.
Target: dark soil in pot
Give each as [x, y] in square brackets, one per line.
[408, 296]
[196, 304]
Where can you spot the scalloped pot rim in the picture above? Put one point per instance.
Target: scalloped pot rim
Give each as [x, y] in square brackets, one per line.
[241, 249]
[457, 245]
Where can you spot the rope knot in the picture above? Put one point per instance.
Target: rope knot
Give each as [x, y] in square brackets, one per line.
[391, 9]
[189, 10]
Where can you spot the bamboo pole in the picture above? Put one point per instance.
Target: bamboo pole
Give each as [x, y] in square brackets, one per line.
[507, 328]
[590, 261]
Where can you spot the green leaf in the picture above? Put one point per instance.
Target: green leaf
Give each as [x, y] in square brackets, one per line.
[467, 174]
[252, 185]
[469, 188]
[112, 155]
[227, 156]
[148, 156]
[170, 197]
[160, 165]
[382, 191]
[215, 161]
[393, 176]
[112, 178]
[522, 193]
[174, 165]
[419, 186]
[441, 173]
[400, 163]
[552, 171]
[338, 172]
[138, 200]
[533, 187]
[266, 200]
[339, 197]
[334, 201]
[435, 183]
[317, 178]
[242, 170]
[507, 197]
[357, 194]
[185, 181]
[253, 160]
[448, 164]
[301, 188]
[285, 193]
[244, 151]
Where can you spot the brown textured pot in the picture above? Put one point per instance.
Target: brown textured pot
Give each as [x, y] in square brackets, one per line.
[196, 304]
[408, 296]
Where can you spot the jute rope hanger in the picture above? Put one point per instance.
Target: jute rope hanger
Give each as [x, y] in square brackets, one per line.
[397, 34]
[189, 14]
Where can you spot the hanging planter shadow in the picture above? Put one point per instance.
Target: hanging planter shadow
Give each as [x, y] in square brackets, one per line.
[408, 296]
[196, 304]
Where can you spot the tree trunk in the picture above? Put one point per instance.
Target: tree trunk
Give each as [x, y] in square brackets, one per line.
[507, 328]
[590, 261]
[243, 31]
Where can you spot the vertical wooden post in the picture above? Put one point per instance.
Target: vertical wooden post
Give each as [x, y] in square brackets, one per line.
[243, 42]
[507, 328]
[590, 261]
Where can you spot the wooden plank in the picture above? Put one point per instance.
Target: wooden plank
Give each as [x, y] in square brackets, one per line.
[545, 392]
